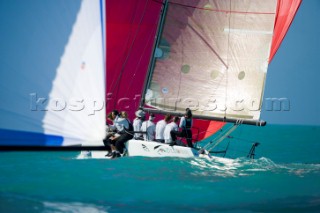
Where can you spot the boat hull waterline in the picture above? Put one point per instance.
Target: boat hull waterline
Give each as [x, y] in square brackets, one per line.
[151, 149]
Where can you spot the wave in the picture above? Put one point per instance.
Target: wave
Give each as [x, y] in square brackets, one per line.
[73, 207]
[243, 167]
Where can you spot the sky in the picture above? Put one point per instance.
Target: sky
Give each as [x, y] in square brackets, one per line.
[294, 71]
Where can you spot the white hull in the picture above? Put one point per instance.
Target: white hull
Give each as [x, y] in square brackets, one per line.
[155, 149]
[149, 149]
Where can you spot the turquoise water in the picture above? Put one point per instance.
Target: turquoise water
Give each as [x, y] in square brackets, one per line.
[284, 177]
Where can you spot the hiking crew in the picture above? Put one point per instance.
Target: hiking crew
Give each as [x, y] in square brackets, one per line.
[173, 126]
[185, 125]
[161, 125]
[137, 122]
[121, 128]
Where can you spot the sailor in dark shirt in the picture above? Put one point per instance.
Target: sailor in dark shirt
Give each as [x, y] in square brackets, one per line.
[185, 125]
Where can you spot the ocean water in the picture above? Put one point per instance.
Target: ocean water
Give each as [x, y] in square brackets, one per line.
[284, 177]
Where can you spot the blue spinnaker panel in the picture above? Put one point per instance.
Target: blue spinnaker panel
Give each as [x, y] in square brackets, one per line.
[22, 138]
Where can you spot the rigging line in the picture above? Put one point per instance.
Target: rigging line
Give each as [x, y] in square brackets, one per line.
[204, 131]
[224, 136]
[209, 46]
[115, 81]
[160, 1]
[127, 42]
[144, 49]
[217, 131]
[213, 132]
[129, 51]
[140, 59]
[221, 134]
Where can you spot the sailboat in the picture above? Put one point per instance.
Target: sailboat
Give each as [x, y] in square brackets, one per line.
[211, 56]
[158, 55]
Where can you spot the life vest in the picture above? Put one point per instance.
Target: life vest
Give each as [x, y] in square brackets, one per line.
[188, 123]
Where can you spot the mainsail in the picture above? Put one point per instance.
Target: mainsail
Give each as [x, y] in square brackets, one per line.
[213, 58]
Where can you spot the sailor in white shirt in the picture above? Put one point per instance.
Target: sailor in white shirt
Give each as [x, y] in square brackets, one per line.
[161, 125]
[137, 122]
[120, 123]
[173, 126]
[149, 127]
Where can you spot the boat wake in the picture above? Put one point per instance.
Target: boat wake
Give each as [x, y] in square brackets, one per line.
[226, 167]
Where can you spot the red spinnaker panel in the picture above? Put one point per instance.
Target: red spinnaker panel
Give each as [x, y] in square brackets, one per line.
[207, 128]
[130, 27]
[285, 13]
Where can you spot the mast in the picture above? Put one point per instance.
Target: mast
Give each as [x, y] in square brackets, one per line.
[153, 59]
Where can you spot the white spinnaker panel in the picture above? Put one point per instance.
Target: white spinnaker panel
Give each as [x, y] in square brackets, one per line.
[33, 37]
[79, 85]
[214, 57]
